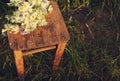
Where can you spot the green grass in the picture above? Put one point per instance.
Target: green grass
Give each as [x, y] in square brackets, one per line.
[92, 54]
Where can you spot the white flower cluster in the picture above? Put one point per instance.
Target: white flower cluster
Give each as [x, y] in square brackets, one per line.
[29, 14]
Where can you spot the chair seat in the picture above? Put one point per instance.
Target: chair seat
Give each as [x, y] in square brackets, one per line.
[52, 34]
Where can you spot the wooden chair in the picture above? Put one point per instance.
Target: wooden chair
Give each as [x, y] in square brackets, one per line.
[52, 36]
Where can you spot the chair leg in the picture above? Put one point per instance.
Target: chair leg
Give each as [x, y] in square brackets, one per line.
[19, 63]
[58, 55]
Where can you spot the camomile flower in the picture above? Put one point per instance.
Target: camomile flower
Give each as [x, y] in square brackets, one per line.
[32, 2]
[45, 4]
[42, 23]
[27, 28]
[17, 13]
[15, 29]
[9, 27]
[33, 16]
[25, 6]
[30, 9]
[7, 17]
[27, 16]
[33, 26]
[21, 8]
[23, 24]
[6, 28]
[38, 2]
[16, 19]
[12, 19]
[15, 0]
[50, 9]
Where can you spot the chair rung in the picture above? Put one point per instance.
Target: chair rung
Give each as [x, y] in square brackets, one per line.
[38, 50]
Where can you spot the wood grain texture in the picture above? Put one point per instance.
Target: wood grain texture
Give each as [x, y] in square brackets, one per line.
[19, 64]
[58, 55]
[25, 53]
[52, 34]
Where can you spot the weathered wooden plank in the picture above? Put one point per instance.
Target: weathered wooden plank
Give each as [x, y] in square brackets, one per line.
[55, 32]
[58, 55]
[25, 53]
[59, 24]
[19, 64]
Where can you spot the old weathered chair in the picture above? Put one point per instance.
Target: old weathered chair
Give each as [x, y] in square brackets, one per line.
[52, 36]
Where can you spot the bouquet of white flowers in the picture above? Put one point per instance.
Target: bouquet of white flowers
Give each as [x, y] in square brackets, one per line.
[27, 16]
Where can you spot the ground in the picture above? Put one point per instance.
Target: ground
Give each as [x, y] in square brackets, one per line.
[92, 54]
